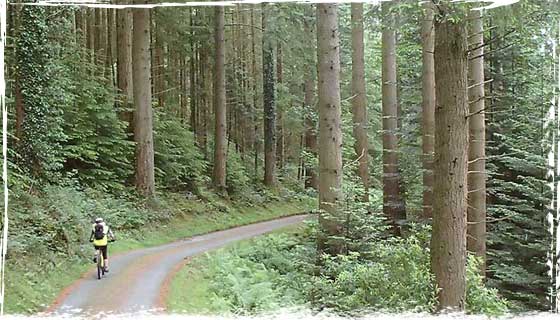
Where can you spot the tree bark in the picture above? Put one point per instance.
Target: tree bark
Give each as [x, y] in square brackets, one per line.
[428, 108]
[90, 39]
[255, 97]
[124, 65]
[109, 51]
[159, 69]
[330, 132]
[280, 142]
[192, 80]
[359, 106]
[476, 212]
[393, 205]
[269, 105]
[143, 133]
[220, 144]
[203, 94]
[448, 243]
[310, 135]
[311, 180]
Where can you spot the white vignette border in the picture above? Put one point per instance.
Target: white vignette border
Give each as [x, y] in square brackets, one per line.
[553, 164]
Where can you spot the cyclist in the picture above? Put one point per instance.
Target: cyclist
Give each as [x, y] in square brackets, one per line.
[100, 232]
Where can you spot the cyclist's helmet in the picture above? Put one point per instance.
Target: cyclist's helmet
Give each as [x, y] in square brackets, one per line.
[98, 220]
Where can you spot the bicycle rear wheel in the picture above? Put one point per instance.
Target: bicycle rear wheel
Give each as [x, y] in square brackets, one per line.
[100, 270]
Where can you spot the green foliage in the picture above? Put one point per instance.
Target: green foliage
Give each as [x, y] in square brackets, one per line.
[517, 187]
[481, 299]
[57, 222]
[395, 276]
[242, 285]
[97, 150]
[41, 135]
[280, 270]
[179, 164]
[237, 174]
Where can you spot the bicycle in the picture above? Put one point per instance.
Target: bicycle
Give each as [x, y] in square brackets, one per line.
[100, 264]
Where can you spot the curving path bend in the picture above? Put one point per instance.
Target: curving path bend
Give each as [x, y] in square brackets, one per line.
[137, 278]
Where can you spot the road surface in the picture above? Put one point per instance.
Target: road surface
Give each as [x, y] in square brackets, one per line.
[136, 278]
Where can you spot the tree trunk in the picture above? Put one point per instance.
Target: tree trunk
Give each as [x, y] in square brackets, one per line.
[280, 142]
[91, 34]
[448, 243]
[476, 213]
[393, 205]
[359, 106]
[124, 65]
[159, 69]
[220, 144]
[428, 108]
[310, 135]
[109, 50]
[255, 98]
[203, 94]
[330, 132]
[269, 105]
[311, 180]
[143, 133]
[192, 80]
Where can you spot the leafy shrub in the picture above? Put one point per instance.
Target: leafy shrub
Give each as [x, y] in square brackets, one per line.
[481, 299]
[97, 150]
[242, 285]
[395, 276]
[58, 220]
[237, 174]
[281, 270]
[179, 164]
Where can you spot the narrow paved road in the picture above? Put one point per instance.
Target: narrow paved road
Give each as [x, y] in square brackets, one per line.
[136, 278]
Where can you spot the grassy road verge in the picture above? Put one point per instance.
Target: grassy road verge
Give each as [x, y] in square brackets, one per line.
[31, 285]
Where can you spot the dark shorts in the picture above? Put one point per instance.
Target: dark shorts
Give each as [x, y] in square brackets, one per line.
[103, 251]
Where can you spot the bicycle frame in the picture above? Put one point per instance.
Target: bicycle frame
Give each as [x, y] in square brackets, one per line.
[100, 264]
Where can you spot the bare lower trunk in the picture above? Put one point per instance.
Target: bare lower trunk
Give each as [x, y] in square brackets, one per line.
[109, 59]
[476, 213]
[311, 176]
[193, 79]
[202, 86]
[428, 108]
[159, 68]
[143, 133]
[269, 107]
[330, 133]
[311, 180]
[280, 142]
[393, 205]
[220, 144]
[255, 98]
[448, 243]
[124, 64]
[359, 107]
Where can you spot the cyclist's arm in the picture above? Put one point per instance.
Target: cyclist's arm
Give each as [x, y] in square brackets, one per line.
[110, 234]
[91, 236]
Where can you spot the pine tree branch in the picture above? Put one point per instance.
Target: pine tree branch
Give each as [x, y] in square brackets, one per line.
[492, 40]
[475, 113]
[480, 83]
[491, 51]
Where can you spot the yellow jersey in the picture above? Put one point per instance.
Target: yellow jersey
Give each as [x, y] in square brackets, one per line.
[104, 240]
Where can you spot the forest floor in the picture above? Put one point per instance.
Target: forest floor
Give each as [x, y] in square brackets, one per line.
[29, 290]
[137, 278]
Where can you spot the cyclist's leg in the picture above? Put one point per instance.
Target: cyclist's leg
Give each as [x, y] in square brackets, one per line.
[96, 248]
[105, 257]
